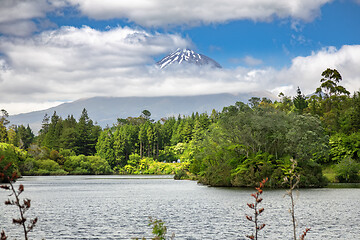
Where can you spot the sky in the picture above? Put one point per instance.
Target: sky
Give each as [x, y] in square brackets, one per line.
[56, 51]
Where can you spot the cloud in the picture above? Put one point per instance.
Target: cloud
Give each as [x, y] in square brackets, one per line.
[18, 28]
[16, 16]
[166, 13]
[251, 61]
[306, 71]
[72, 63]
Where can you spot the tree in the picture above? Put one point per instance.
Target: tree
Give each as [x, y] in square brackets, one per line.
[24, 136]
[52, 135]
[300, 102]
[44, 129]
[142, 139]
[333, 99]
[254, 102]
[355, 113]
[285, 103]
[105, 147]
[3, 122]
[146, 114]
[329, 84]
[87, 135]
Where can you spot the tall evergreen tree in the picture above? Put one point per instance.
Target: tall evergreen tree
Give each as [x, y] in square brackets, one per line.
[300, 102]
[24, 136]
[52, 136]
[87, 135]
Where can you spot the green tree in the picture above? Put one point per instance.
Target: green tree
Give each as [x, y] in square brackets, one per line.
[355, 113]
[285, 103]
[333, 99]
[142, 139]
[44, 129]
[87, 135]
[146, 114]
[52, 135]
[105, 147]
[254, 102]
[300, 102]
[246, 145]
[3, 123]
[24, 136]
[329, 84]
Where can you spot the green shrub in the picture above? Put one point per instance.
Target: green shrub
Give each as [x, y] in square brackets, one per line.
[13, 155]
[47, 167]
[87, 165]
[347, 170]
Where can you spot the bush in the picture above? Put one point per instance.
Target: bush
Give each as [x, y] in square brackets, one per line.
[181, 174]
[42, 167]
[87, 165]
[11, 154]
[347, 170]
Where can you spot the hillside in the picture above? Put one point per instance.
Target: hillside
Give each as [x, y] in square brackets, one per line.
[106, 110]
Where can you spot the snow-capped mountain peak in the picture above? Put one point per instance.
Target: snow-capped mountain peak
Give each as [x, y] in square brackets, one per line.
[185, 55]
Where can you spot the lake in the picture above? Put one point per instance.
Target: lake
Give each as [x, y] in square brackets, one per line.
[118, 207]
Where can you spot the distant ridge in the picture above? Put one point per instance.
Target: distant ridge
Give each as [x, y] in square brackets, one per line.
[181, 56]
[106, 110]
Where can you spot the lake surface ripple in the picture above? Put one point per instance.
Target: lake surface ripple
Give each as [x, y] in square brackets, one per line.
[118, 207]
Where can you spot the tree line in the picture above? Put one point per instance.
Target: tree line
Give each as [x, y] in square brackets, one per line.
[237, 146]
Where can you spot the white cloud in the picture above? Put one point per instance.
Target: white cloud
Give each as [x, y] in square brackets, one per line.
[72, 63]
[306, 71]
[16, 10]
[16, 16]
[193, 12]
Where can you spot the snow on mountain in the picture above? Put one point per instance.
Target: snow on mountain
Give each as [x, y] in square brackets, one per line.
[187, 56]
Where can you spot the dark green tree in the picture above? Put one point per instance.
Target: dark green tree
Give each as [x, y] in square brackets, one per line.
[87, 135]
[53, 133]
[300, 102]
[24, 136]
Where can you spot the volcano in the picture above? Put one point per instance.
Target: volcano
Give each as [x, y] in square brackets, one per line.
[186, 56]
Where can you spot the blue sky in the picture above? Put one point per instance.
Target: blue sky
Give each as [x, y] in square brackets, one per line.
[276, 43]
[54, 51]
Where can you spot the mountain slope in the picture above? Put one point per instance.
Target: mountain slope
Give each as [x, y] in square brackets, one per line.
[106, 110]
[181, 56]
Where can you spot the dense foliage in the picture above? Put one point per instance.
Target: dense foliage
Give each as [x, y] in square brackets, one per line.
[239, 146]
[248, 144]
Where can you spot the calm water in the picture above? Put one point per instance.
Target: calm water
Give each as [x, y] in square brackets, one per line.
[118, 207]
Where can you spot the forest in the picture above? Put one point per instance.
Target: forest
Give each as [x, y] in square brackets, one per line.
[238, 146]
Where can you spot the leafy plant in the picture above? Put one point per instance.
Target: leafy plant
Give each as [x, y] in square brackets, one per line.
[159, 229]
[257, 211]
[23, 207]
